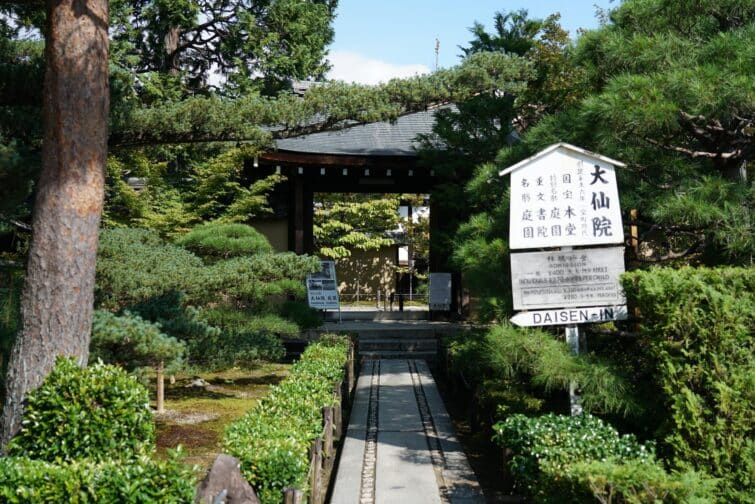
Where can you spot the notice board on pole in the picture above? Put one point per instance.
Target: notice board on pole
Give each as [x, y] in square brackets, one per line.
[440, 291]
[322, 288]
[561, 279]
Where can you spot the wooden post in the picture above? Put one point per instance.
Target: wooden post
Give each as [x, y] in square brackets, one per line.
[572, 340]
[161, 387]
[327, 416]
[634, 239]
[338, 411]
[293, 496]
[316, 466]
[350, 370]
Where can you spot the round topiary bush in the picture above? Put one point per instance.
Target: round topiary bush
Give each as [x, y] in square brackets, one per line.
[98, 412]
[215, 239]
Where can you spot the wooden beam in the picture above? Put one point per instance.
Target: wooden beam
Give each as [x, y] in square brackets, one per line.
[313, 159]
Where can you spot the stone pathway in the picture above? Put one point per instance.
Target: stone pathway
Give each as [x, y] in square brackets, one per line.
[400, 445]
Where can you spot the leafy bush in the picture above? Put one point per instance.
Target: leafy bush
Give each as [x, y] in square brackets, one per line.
[97, 412]
[699, 350]
[132, 342]
[220, 240]
[639, 482]
[141, 481]
[135, 264]
[545, 447]
[272, 440]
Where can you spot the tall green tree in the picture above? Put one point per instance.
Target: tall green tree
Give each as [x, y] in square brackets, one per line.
[257, 45]
[467, 139]
[347, 222]
[58, 297]
[672, 95]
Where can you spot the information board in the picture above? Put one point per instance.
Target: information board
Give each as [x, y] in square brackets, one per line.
[440, 291]
[562, 279]
[322, 289]
[564, 198]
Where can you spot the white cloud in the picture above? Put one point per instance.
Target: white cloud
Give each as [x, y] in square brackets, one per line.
[353, 67]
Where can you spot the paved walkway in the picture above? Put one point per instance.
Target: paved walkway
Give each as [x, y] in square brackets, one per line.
[400, 445]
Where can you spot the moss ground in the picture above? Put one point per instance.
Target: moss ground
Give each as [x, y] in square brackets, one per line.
[196, 416]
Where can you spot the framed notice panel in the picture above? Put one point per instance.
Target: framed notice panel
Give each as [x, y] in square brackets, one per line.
[586, 277]
[322, 289]
[440, 291]
[564, 197]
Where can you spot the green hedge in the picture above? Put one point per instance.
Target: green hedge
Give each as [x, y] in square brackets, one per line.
[98, 412]
[272, 440]
[141, 481]
[697, 333]
[576, 459]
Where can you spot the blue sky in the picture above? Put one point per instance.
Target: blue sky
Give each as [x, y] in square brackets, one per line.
[379, 39]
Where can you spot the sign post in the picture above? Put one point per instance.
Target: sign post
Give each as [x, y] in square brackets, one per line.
[561, 198]
[439, 291]
[322, 288]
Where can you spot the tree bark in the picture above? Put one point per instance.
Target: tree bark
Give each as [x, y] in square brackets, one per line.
[57, 302]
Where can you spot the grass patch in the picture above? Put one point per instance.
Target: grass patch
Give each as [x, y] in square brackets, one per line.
[196, 416]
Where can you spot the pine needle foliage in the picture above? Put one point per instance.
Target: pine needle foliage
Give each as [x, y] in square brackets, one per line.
[515, 353]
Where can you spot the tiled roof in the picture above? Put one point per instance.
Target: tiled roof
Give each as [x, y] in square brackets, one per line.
[375, 139]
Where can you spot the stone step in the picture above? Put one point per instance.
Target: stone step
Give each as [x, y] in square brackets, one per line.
[399, 333]
[377, 315]
[409, 345]
[395, 354]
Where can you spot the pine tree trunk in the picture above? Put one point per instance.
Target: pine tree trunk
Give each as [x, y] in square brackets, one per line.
[56, 306]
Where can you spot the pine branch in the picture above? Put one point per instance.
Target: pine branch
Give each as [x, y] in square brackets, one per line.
[695, 153]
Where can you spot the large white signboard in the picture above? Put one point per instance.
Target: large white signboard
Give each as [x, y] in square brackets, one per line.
[561, 279]
[564, 196]
[563, 316]
[322, 289]
[440, 291]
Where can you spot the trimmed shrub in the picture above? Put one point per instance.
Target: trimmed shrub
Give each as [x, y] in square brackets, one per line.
[220, 240]
[545, 447]
[699, 352]
[134, 265]
[132, 342]
[245, 339]
[272, 440]
[251, 280]
[140, 481]
[98, 412]
[639, 482]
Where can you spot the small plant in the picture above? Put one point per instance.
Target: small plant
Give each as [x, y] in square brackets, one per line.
[98, 412]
